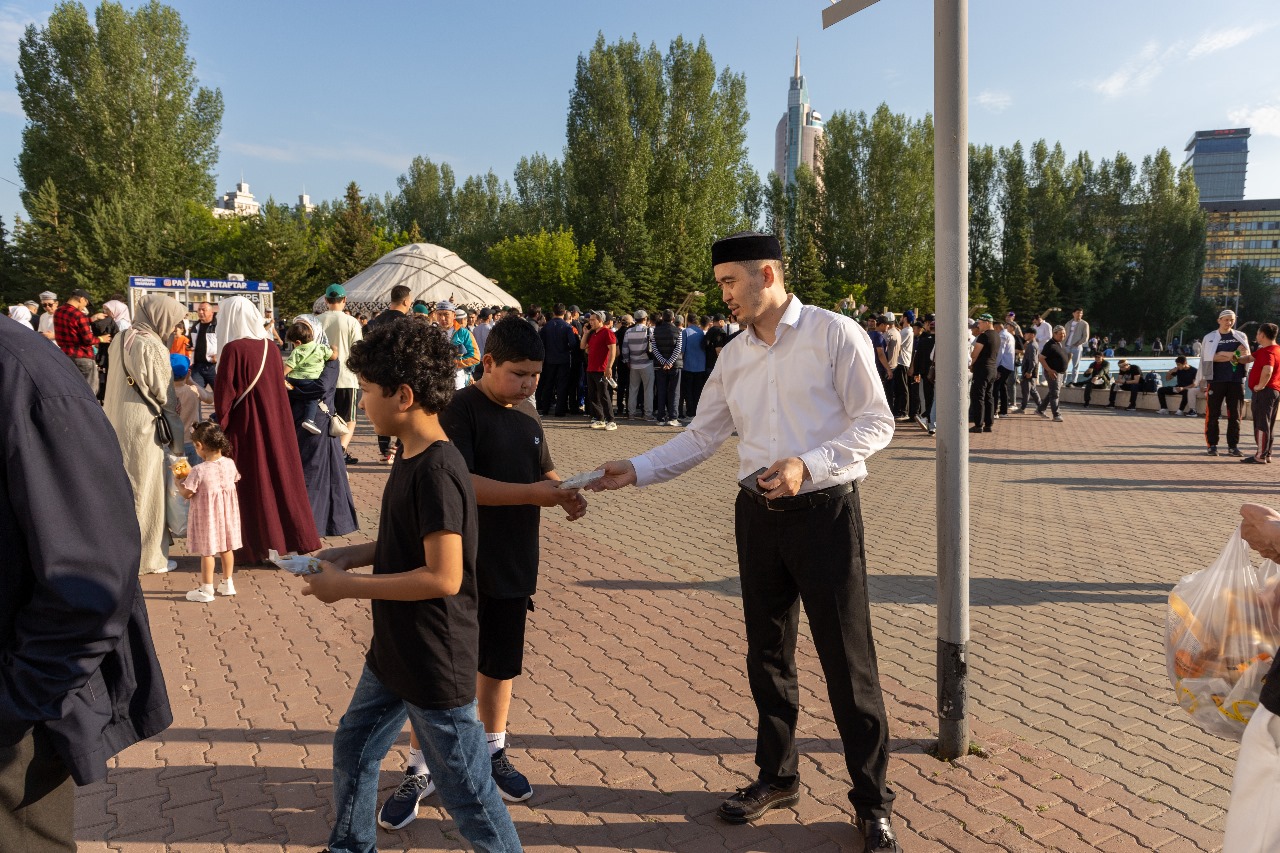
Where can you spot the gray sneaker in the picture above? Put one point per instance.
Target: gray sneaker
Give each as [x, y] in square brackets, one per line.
[1042, 413]
[1057, 419]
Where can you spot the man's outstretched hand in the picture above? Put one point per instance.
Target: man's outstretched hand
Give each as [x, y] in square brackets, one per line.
[617, 474]
[1261, 529]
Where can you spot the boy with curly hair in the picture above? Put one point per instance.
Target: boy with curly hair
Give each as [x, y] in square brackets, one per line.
[422, 661]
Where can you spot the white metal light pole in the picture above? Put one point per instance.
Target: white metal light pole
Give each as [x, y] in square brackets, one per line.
[951, 275]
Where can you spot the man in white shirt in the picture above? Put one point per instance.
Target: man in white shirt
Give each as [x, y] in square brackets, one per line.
[901, 381]
[342, 330]
[49, 302]
[800, 387]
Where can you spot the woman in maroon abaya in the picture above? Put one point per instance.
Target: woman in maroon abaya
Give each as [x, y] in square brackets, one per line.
[252, 406]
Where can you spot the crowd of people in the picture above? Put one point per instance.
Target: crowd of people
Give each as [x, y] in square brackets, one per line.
[457, 397]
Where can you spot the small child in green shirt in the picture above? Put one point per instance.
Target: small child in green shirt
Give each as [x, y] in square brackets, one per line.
[305, 364]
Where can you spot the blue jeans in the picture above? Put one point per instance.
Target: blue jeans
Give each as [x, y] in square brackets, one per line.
[204, 374]
[453, 744]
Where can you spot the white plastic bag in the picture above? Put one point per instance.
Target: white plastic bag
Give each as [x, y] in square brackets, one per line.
[176, 507]
[1220, 636]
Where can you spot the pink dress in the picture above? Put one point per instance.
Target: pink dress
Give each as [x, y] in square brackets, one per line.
[213, 525]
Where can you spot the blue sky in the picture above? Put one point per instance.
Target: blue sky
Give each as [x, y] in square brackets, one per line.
[321, 93]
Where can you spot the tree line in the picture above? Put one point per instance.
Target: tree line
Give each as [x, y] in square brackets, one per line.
[120, 146]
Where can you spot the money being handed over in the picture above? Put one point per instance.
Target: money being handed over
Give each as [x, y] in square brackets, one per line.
[298, 564]
[577, 481]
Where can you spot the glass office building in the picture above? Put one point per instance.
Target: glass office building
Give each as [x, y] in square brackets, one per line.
[1219, 159]
[1239, 232]
[796, 139]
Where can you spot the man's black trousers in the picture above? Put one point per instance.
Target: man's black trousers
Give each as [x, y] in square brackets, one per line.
[900, 382]
[982, 409]
[1004, 396]
[36, 797]
[814, 556]
[553, 389]
[1233, 394]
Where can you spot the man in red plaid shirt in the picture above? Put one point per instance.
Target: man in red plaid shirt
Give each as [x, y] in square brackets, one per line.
[75, 337]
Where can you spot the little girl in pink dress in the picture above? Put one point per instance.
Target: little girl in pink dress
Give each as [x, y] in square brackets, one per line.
[213, 524]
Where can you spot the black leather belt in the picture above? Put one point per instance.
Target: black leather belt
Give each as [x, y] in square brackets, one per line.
[809, 500]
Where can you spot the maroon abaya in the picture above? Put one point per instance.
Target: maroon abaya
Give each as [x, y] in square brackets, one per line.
[274, 509]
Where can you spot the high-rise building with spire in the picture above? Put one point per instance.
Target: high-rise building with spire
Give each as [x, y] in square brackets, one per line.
[796, 139]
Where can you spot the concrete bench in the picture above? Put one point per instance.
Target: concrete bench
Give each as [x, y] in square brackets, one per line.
[1147, 400]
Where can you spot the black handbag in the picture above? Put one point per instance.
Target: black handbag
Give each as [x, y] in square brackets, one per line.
[163, 434]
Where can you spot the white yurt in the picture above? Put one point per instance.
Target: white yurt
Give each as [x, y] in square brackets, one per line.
[431, 272]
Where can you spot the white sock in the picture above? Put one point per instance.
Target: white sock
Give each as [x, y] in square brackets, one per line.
[417, 765]
[497, 742]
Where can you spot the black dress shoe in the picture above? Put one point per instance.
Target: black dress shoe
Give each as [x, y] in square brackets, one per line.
[878, 837]
[756, 799]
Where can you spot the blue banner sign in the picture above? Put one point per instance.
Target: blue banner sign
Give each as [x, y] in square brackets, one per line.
[204, 285]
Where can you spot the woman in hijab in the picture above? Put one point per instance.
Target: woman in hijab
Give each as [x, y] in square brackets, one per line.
[253, 409]
[328, 489]
[139, 387]
[20, 313]
[119, 312]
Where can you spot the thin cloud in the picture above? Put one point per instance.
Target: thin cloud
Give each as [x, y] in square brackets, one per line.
[1219, 40]
[1137, 74]
[1261, 120]
[996, 102]
[302, 153]
[13, 24]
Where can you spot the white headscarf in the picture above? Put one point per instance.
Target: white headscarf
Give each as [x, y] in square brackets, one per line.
[21, 314]
[119, 312]
[239, 318]
[317, 330]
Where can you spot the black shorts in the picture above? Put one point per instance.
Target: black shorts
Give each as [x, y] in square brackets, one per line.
[502, 622]
[344, 404]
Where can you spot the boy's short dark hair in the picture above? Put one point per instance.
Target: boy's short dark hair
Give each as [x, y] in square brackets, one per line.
[400, 293]
[300, 333]
[512, 339]
[1270, 330]
[415, 354]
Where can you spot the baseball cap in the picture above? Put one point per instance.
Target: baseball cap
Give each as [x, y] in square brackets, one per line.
[180, 364]
[986, 317]
[78, 293]
[335, 291]
[484, 314]
[574, 309]
[1227, 312]
[888, 317]
[421, 308]
[641, 314]
[928, 318]
[445, 305]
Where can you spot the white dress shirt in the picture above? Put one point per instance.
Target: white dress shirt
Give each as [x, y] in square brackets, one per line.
[814, 394]
[1043, 333]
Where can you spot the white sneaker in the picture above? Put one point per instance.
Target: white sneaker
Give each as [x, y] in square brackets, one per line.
[200, 595]
[597, 425]
[610, 426]
[226, 587]
[1162, 411]
[674, 422]
[311, 427]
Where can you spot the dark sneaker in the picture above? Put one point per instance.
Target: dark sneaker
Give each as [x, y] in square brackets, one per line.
[511, 783]
[402, 807]
[756, 799]
[349, 459]
[1234, 451]
[1212, 451]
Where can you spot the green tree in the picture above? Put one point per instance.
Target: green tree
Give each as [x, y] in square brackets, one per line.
[541, 195]
[606, 287]
[804, 276]
[542, 268]
[44, 245]
[354, 242]
[425, 197]
[115, 103]
[1257, 293]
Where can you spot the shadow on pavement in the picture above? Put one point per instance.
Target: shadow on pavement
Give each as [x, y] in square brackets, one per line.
[922, 589]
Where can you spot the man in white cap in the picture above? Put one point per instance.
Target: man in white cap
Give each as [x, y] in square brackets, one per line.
[49, 302]
[1223, 378]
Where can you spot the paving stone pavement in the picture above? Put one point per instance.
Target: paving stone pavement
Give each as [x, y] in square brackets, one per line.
[633, 718]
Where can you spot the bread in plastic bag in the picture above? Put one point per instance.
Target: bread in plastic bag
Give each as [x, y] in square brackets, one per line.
[1220, 636]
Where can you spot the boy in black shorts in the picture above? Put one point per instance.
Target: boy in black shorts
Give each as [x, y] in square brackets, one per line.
[499, 434]
[423, 589]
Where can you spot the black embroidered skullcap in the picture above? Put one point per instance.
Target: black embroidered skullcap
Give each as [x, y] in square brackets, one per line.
[745, 246]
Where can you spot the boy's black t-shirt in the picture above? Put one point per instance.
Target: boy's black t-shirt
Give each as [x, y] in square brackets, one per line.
[426, 652]
[505, 444]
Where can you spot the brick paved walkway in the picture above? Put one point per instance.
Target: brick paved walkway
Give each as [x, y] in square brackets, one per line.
[634, 718]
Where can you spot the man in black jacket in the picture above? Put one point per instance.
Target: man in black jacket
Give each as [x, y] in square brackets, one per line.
[79, 679]
[559, 342]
